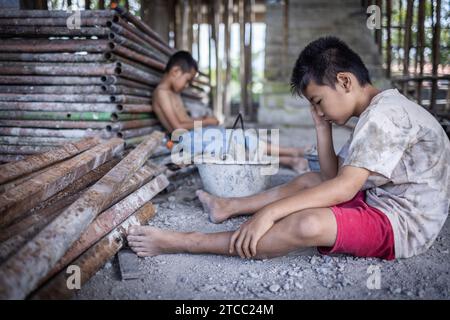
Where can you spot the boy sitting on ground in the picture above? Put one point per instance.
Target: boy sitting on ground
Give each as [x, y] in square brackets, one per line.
[388, 196]
[180, 71]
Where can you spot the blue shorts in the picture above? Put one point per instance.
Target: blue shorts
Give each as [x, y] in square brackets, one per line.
[207, 141]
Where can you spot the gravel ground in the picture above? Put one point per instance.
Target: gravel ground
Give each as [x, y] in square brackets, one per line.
[304, 274]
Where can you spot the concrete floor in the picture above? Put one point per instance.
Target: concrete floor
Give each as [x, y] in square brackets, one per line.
[301, 275]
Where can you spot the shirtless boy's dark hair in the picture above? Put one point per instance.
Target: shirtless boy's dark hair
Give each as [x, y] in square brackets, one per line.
[322, 60]
[183, 60]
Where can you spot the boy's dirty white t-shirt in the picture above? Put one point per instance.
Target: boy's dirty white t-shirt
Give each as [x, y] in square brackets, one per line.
[408, 153]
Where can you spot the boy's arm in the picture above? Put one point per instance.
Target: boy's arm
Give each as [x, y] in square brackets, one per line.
[163, 99]
[340, 189]
[337, 190]
[327, 156]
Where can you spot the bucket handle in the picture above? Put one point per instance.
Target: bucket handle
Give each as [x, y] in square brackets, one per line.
[239, 117]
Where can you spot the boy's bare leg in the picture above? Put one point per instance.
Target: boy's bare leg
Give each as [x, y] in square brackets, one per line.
[298, 164]
[307, 228]
[220, 209]
[287, 151]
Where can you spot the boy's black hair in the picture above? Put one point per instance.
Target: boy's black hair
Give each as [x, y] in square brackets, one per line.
[322, 60]
[182, 59]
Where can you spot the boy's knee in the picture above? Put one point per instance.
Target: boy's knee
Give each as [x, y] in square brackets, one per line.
[309, 226]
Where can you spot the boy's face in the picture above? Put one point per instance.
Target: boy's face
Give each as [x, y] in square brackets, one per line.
[334, 105]
[181, 80]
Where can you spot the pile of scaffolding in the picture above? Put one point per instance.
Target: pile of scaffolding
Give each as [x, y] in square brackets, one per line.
[68, 210]
[66, 76]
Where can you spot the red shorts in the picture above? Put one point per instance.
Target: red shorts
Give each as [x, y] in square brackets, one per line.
[362, 230]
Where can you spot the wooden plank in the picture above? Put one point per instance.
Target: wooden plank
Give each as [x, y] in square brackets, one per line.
[110, 219]
[14, 202]
[22, 272]
[30, 164]
[94, 258]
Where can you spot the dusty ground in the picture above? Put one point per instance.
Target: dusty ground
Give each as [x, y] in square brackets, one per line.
[302, 275]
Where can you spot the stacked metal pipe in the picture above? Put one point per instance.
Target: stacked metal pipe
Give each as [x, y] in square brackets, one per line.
[72, 206]
[66, 76]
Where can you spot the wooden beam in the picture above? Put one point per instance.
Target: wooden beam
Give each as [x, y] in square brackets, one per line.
[22, 272]
[243, 105]
[94, 258]
[110, 219]
[32, 163]
[436, 53]
[227, 56]
[420, 46]
[389, 38]
[407, 40]
[14, 202]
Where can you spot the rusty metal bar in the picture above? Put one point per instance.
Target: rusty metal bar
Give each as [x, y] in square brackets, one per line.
[27, 89]
[131, 133]
[51, 31]
[18, 200]
[110, 219]
[26, 150]
[48, 46]
[35, 141]
[136, 74]
[94, 21]
[122, 125]
[125, 60]
[108, 80]
[52, 57]
[62, 133]
[56, 14]
[11, 184]
[60, 124]
[130, 54]
[73, 116]
[11, 157]
[163, 50]
[95, 257]
[120, 89]
[120, 40]
[135, 108]
[17, 234]
[30, 164]
[73, 98]
[143, 27]
[59, 80]
[55, 69]
[22, 272]
[61, 106]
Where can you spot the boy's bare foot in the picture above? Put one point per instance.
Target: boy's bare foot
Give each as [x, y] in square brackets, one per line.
[216, 207]
[149, 241]
[300, 165]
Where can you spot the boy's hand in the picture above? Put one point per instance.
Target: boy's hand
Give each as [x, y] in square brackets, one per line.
[245, 239]
[211, 121]
[319, 121]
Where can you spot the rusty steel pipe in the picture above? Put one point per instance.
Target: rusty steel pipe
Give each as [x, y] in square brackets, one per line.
[62, 133]
[48, 46]
[120, 89]
[95, 257]
[51, 89]
[53, 124]
[52, 57]
[20, 274]
[84, 14]
[62, 106]
[93, 21]
[43, 80]
[110, 219]
[46, 31]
